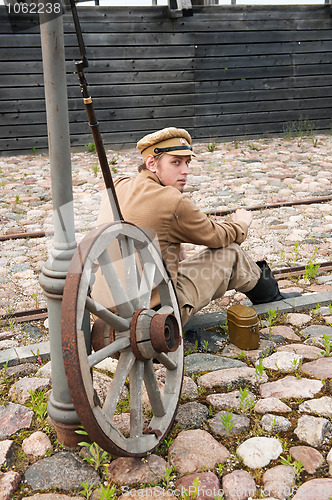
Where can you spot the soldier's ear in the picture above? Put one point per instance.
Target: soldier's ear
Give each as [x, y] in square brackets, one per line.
[151, 163]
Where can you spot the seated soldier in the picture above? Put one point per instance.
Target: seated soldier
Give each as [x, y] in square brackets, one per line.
[154, 199]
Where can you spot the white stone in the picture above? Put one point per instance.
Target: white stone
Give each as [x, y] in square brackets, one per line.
[313, 430]
[283, 361]
[271, 404]
[321, 407]
[258, 452]
[37, 444]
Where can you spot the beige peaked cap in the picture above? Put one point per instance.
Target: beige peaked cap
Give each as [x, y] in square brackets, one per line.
[171, 140]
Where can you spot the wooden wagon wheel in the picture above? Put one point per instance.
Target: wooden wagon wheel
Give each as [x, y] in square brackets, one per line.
[140, 336]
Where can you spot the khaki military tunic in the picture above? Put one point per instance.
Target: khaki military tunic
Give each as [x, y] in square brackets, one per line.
[165, 212]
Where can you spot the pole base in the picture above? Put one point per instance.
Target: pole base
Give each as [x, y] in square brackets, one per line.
[67, 435]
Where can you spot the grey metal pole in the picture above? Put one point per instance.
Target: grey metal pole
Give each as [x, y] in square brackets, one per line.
[53, 274]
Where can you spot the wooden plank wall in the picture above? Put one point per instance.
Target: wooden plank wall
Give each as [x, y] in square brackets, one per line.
[224, 73]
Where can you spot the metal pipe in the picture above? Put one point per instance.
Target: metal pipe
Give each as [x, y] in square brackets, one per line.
[53, 274]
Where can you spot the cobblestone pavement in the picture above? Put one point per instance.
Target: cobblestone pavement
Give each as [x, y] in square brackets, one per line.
[276, 399]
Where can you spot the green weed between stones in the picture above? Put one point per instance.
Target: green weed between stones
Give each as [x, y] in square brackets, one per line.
[96, 456]
[311, 270]
[246, 404]
[226, 420]
[327, 342]
[259, 369]
[211, 147]
[296, 464]
[38, 404]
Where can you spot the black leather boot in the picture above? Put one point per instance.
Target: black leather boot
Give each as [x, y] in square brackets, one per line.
[266, 289]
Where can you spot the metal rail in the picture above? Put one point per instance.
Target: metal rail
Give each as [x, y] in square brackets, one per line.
[37, 314]
[309, 201]
[218, 213]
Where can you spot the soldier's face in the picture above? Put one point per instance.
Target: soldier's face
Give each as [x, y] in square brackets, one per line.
[172, 170]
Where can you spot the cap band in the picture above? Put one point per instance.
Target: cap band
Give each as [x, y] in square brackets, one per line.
[173, 148]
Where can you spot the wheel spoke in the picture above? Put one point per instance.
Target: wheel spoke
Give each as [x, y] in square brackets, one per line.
[108, 351]
[126, 361]
[130, 269]
[118, 323]
[165, 310]
[136, 407]
[145, 289]
[120, 297]
[153, 390]
[166, 361]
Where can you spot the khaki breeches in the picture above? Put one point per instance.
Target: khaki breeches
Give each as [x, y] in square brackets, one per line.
[209, 273]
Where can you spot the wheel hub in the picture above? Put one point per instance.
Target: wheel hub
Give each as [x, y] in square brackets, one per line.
[152, 333]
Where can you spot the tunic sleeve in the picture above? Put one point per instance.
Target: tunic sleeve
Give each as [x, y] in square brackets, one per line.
[190, 225]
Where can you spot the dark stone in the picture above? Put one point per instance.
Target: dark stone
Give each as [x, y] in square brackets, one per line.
[201, 362]
[238, 423]
[23, 370]
[209, 341]
[316, 331]
[64, 471]
[278, 339]
[191, 415]
[209, 320]
[33, 331]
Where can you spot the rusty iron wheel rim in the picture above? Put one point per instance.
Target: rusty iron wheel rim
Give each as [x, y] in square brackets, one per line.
[96, 419]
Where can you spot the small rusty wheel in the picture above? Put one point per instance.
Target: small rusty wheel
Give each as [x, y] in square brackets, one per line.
[140, 335]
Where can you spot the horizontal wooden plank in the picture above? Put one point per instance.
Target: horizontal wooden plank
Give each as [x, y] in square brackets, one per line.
[104, 90]
[251, 130]
[266, 48]
[105, 39]
[284, 116]
[104, 53]
[263, 84]
[103, 114]
[35, 129]
[240, 97]
[262, 72]
[302, 105]
[261, 37]
[263, 12]
[222, 62]
[109, 78]
[104, 66]
[28, 105]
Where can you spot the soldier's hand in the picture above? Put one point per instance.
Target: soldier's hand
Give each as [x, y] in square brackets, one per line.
[241, 215]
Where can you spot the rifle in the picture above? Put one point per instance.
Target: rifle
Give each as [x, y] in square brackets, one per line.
[93, 123]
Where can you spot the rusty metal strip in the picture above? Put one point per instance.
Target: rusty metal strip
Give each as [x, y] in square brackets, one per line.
[298, 270]
[16, 236]
[280, 204]
[25, 316]
[309, 201]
